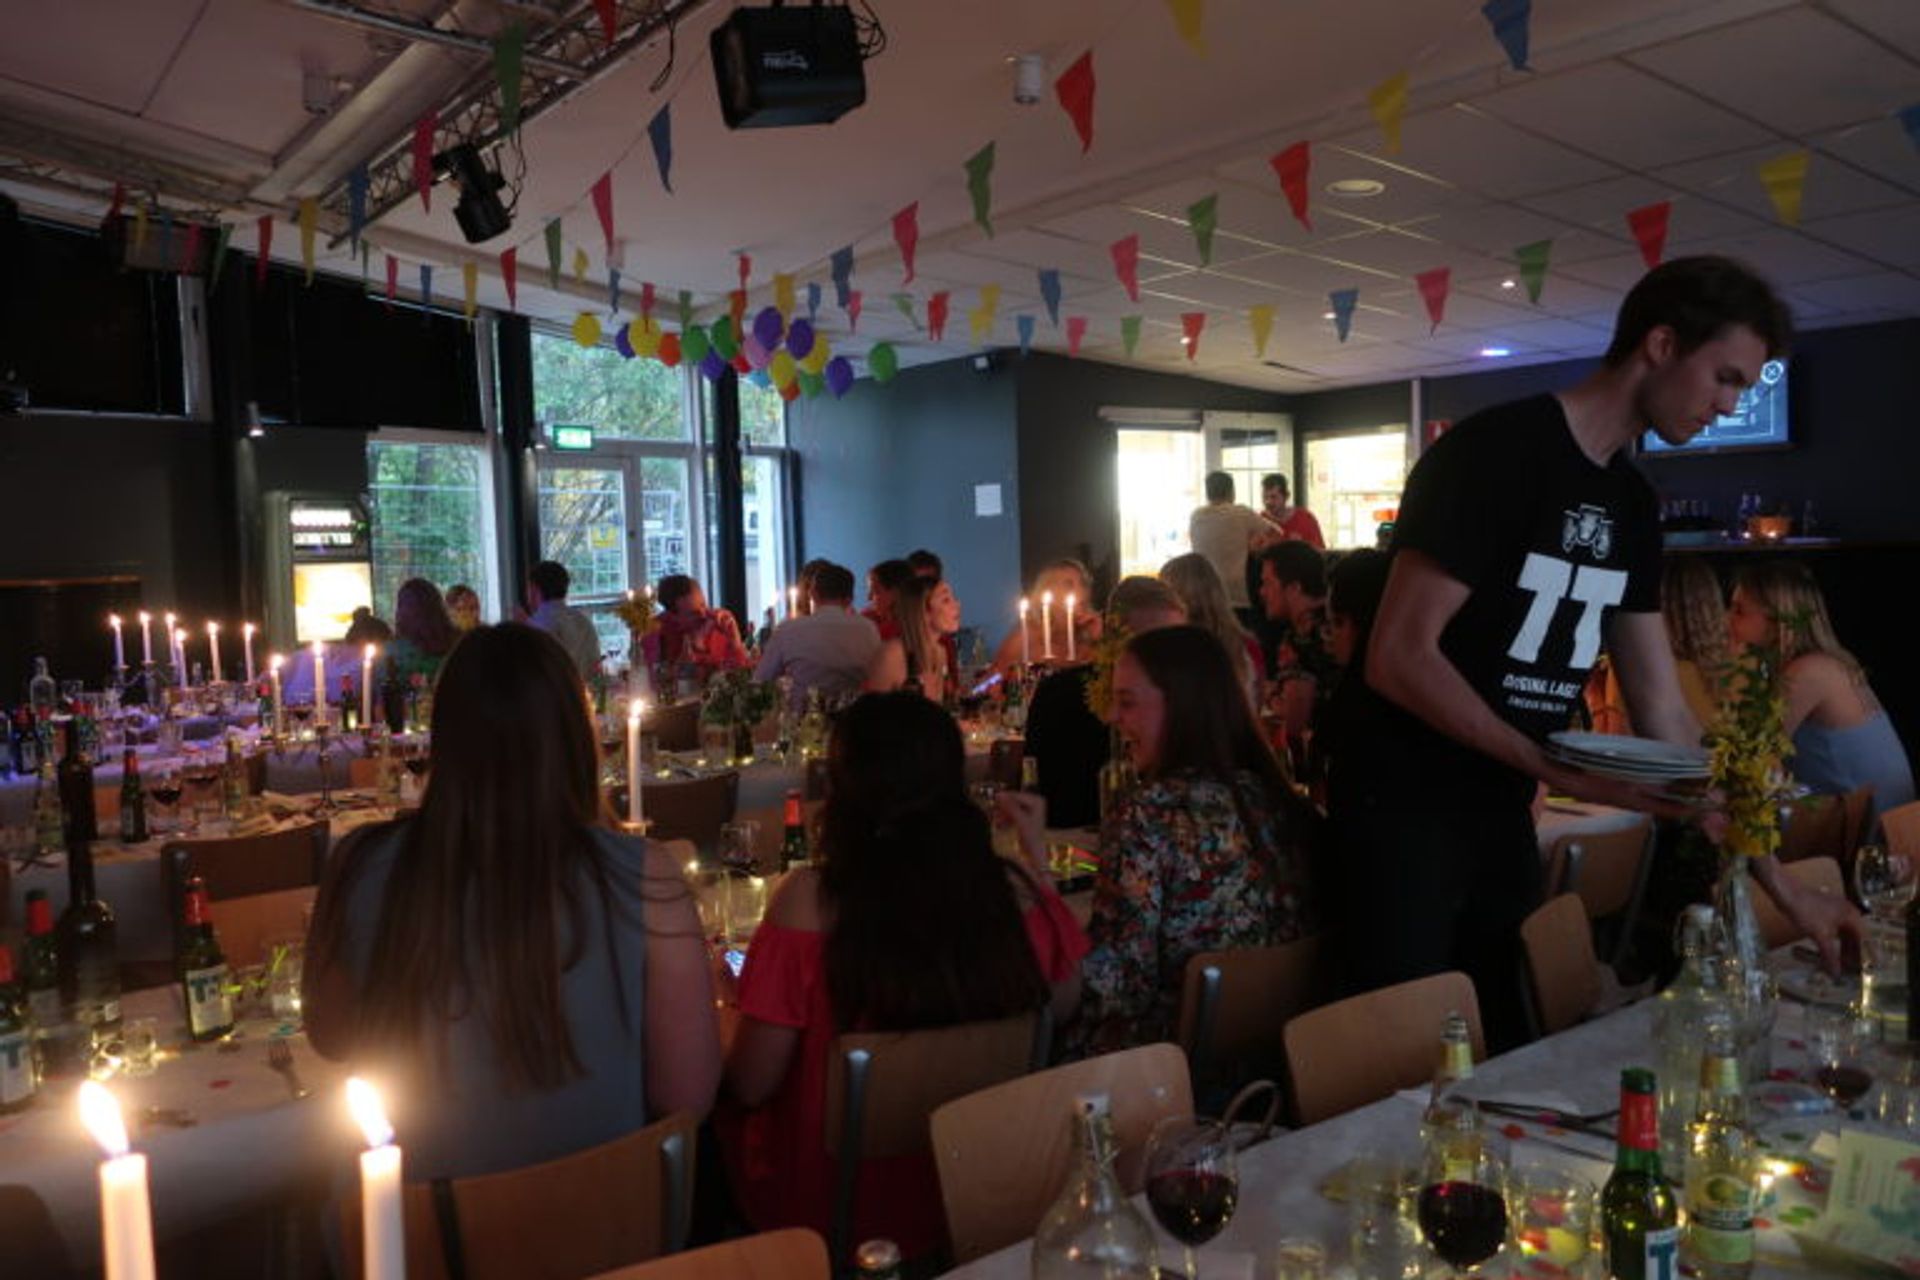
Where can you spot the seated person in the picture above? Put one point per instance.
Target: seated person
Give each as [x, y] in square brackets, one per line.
[1063, 579]
[423, 631]
[829, 649]
[884, 581]
[463, 606]
[909, 920]
[364, 629]
[1205, 596]
[926, 613]
[1066, 740]
[690, 633]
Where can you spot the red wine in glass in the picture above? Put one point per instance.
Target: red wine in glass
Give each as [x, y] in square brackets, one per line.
[1844, 1083]
[168, 794]
[1192, 1204]
[1463, 1221]
[417, 764]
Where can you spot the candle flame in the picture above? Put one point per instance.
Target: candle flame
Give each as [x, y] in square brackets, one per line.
[363, 1100]
[636, 710]
[113, 620]
[371, 650]
[248, 630]
[180, 634]
[1025, 604]
[145, 617]
[318, 648]
[1046, 599]
[171, 619]
[100, 1113]
[275, 661]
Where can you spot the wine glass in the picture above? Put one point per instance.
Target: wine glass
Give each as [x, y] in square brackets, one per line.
[1463, 1206]
[163, 785]
[1882, 881]
[1840, 1042]
[1192, 1185]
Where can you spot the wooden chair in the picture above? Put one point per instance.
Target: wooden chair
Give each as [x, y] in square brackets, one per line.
[1233, 1005]
[1826, 826]
[1609, 872]
[1562, 975]
[694, 809]
[246, 925]
[1002, 1153]
[793, 1254]
[1361, 1049]
[607, 1207]
[1900, 827]
[363, 773]
[675, 727]
[882, 1086]
[233, 867]
[1822, 875]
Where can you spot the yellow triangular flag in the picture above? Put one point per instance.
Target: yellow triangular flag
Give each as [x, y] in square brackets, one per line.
[309, 219]
[1785, 178]
[579, 265]
[783, 295]
[470, 277]
[980, 319]
[1389, 102]
[1260, 319]
[1188, 16]
[139, 226]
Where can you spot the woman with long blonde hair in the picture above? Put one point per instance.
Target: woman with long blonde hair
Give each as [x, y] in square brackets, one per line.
[926, 611]
[1197, 583]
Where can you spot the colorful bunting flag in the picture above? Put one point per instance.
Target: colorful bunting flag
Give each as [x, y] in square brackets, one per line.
[1509, 20]
[1192, 323]
[509, 53]
[1074, 89]
[1130, 333]
[1343, 302]
[1292, 166]
[937, 316]
[813, 300]
[660, 133]
[646, 300]
[1050, 294]
[613, 292]
[580, 265]
[1388, 99]
[1076, 332]
[1433, 291]
[1023, 325]
[426, 285]
[393, 280]
[783, 294]
[980, 319]
[553, 253]
[1202, 217]
[510, 276]
[603, 206]
[979, 168]
[609, 17]
[309, 217]
[1785, 178]
[1260, 320]
[906, 234]
[737, 308]
[841, 268]
[1532, 260]
[1126, 264]
[853, 310]
[686, 308]
[264, 255]
[424, 130]
[1189, 21]
[470, 289]
[139, 227]
[745, 265]
[1649, 225]
[219, 256]
[903, 303]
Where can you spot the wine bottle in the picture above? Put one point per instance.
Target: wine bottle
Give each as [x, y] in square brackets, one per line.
[203, 970]
[19, 1078]
[133, 800]
[1718, 1240]
[1681, 1014]
[793, 842]
[49, 821]
[1092, 1228]
[233, 781]
[88, 946]
[349, 706]
[42, 697]
[1639, 1215]
[42, 964]
[82, 818]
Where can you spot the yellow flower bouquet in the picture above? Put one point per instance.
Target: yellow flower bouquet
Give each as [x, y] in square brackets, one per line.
[1750, 748]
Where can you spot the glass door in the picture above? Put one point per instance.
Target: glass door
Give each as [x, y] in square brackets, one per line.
[1160, 472]
[584, 525]
[1354, 483]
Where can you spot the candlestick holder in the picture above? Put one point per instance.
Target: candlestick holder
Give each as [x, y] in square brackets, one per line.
[322, 740]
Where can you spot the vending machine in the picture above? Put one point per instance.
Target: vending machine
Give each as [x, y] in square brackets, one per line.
[319, 562]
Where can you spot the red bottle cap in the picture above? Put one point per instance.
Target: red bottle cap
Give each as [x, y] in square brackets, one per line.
[6, 964]
[39, 915]
[794, 812]
[196, 901]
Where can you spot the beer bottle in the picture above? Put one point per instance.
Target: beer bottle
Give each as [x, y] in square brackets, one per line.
[1448, 1112]
[793, 843]
[42, 964]
[203, 970]
[1639, 1215]
[233, 781]
[18, 1078]
[88, 946]
[133, 800]
[1718, 1239]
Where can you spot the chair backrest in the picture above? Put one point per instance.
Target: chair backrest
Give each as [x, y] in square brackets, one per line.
[1816, 827]
[1605, 868]
[1003, 1152]
[247, 925]
[882, 1086]
[1901, 827]
[619, 1203]
[1562, 972]
[1822, 875]
[694, 809]
[1364, 1048]
[363, 772]
[242, 866]
[793, 1254]
[675, 727]
[1233, 1005]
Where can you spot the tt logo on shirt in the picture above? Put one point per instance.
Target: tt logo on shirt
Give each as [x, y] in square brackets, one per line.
[1589, 527]
[1550, 580]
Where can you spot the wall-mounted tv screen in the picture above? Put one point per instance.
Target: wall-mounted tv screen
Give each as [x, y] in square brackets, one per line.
[1759, 421]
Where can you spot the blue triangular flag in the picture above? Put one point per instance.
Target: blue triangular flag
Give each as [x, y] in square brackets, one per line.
[356, 202]
[426, 285]
[1025, 325]
[613, 291]
[813, 301]
[1910, 117]
[842, 276]
[1509, 19]
[660, 132]
[1050, 294]
[1344, 301]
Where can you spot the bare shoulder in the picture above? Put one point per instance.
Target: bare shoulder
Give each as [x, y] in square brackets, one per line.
[1819, 671]
[796, 901]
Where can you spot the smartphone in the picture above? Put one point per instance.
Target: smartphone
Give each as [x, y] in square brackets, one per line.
[735, 958]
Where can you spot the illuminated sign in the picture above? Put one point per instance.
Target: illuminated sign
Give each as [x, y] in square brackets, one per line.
[578, 439]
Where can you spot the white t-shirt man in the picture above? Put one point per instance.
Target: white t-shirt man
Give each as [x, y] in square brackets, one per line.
[1224, 532]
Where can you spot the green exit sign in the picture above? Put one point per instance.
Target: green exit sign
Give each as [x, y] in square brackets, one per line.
[572, 438]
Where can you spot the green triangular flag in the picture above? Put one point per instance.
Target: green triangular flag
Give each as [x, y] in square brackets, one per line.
[509, 52]
[553, 254]
[1202, 216]
[686, 307]
[1130, 333]
[1533, 266]
[219, 256]
[903, 303]
[980, 186]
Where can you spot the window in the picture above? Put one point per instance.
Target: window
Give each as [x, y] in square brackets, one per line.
[432, 517]
[620, 399]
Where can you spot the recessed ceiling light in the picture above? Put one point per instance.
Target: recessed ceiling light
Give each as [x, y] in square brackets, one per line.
[1507, 284]
[1328, 315]
[1355, 188]
[1494, 353]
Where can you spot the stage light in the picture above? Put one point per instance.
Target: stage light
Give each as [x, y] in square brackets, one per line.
[479, 211]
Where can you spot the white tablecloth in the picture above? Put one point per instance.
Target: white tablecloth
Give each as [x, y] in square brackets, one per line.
[1579, 817]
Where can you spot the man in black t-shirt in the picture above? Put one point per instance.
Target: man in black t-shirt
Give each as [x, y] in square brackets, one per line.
[1525, 542]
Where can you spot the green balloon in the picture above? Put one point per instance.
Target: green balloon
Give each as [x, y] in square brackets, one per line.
[694, 344]
[811, 384]
[883, 361]
[721, 334]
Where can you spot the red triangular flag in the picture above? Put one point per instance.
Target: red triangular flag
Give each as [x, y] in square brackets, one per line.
[423, 130]
[118, 202]
[603, 207]
[1191, 323]
[266, 249]
[1126, 264]
[1649, 223]
[191, 253]
[1291, 166]
[646, 300]
[906, 234]
[393, 279]
[853, 310]
[937, 316]
[1433, 288]
[737, 308]
[609, 18]
[1074, 89]
[510, 274]
[1076, 330]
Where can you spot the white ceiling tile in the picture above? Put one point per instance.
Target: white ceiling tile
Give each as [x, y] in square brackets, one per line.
[1895, 21]
[1480, 152]
[1885, 235]
[1879, 146]
[1831, 188]
[1787, 257]
[1622, 115]
[1895, 293]
[64, 48]
[1601, 208]
[1551, 335]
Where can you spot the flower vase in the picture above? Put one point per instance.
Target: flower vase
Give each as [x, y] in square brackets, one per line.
[1743, 952]
[742, 741]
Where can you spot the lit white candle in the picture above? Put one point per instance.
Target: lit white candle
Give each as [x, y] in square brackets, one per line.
[279, 701]
[146, 636]
[246, 645]
[180, 652]
[173, 647]
[319, 683]
[213, 647]
[1026, 650]
[1070, 645]
[793, 601]
[1046, 626]
[119, 653]
[126, 1217]
[635, 711]
[366, 687]
[383, 1233]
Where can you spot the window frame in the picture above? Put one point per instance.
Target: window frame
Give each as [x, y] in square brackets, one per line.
[494, 602]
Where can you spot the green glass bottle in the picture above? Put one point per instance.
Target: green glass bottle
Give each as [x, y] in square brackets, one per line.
[133, 800]
[19, 1077]
[44, 1006]
[203, 970]
[793, 841]
[1639, 1214]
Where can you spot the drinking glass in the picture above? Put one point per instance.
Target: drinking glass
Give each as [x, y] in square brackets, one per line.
[1192, 1184]
[201, 774]
[1882, 881]
[716, 742]
[1840, 1045]
[746, 903]
[709, 885]
[740, 845]
[1553, 1218]
[164, 788]
[286, 961]
[1462, 1209]
[1299, 1258]
[1382, 1241]
[140, 1046]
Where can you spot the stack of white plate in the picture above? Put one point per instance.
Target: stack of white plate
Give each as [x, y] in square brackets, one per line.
[1634, 759]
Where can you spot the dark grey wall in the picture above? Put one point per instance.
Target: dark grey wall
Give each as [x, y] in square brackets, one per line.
[308, 459]
[1351, 408]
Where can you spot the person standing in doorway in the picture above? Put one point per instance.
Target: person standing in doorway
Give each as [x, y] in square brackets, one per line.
[1226, 532]
[1276, 504]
